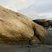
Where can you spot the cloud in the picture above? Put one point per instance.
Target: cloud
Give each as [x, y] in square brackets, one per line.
[39, 8]
[16, 4]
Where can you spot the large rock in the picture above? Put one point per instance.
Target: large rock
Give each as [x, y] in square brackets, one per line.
[15, 27]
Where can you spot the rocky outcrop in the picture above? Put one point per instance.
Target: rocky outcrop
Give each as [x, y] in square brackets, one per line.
[15, 27]
[44, 22]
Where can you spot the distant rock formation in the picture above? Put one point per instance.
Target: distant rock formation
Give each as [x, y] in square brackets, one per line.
[44, 22]
[48, 25]
[15, 27]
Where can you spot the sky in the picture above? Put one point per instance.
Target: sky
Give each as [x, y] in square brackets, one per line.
[33, 8]
[16, 4]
